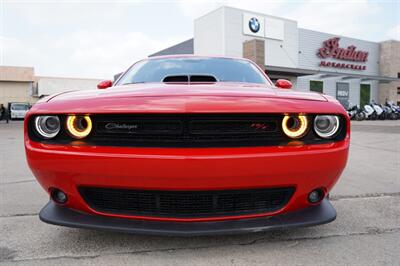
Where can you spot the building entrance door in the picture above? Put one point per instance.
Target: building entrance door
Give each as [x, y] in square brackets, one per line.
[365, 94]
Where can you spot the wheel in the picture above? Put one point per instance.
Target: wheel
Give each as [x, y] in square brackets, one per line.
[373, 117]
[360, 116]
[392, 116]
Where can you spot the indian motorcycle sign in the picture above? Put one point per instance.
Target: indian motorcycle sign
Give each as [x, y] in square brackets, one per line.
[331, 49]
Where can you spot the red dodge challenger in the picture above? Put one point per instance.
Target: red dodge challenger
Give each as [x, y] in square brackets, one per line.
[188, 145]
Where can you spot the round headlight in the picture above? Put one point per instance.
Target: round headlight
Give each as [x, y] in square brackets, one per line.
[295, 126]
[79, 126]
[326, 126]
[47, 126]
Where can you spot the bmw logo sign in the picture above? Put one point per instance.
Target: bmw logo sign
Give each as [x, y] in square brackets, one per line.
[254, 25]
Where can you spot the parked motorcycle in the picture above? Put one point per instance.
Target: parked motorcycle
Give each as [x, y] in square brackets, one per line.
[351, 111]
[379, 111]
[389, 114]
[395, 110]
[356, 113]
[374, 111]
[370, 112]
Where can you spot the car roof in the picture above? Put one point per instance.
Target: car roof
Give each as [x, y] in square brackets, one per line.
[195, 56]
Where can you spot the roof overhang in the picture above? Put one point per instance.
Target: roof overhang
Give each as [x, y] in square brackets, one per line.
[273, 70]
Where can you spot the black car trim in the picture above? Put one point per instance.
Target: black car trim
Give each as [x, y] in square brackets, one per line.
[313, 215]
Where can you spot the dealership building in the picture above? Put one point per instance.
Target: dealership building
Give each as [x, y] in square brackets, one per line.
[20, 84]
[352, 70]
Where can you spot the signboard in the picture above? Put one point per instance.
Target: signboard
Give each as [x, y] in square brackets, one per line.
[331, 49]
[343, 93]
[265, 27]
[253, 25]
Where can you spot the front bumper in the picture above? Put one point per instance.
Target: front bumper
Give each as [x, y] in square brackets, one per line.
[17, 116]
[304, 167]
[313, 215]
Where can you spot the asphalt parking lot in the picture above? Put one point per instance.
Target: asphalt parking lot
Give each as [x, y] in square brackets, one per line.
[366, 231]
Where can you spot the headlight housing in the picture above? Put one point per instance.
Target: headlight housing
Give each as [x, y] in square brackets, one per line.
[47, 126]
[79, 126]
[326, 126]
[295, 126]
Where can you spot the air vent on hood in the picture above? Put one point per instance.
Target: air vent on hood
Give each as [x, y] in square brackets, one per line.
[189, 78]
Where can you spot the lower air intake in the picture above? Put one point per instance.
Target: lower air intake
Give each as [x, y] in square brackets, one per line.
[190, 204]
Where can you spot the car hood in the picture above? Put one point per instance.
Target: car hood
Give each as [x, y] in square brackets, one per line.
[180, 98]
[172, 90]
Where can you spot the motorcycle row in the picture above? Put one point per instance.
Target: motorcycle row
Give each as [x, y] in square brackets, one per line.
[374, 111]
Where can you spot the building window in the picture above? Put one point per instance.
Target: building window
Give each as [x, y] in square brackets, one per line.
[398, 75]
[398, 90]
[317, 86]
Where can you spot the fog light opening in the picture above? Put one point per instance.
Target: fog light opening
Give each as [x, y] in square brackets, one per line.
[58, 196]
[316, 196]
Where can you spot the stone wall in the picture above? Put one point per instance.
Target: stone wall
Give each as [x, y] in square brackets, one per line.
[390, 67]
[255, 51]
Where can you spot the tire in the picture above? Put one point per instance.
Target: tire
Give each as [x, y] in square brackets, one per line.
[392, 116]
[360, 116]
[373, 117]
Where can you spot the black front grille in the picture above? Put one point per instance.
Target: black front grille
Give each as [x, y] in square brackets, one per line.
[187, 130]
[190, 204]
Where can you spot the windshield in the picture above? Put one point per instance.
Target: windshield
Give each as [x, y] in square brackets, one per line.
[19, 107]
[223, 69]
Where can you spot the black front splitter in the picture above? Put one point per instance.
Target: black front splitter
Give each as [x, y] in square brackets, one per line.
[314, 215]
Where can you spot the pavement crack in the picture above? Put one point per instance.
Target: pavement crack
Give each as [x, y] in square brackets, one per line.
[18, 182]
[366, 195]
[295, 240]
[369, 231]
[19, 215]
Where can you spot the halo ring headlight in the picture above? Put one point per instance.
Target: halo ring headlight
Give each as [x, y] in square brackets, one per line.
[79, 126]
[295, 126]
[326, 126]
[47, 126]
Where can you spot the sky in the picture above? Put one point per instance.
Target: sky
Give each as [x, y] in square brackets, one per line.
[97, 39]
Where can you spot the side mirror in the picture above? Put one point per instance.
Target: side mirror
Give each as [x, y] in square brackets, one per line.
[283, 84]
[104, 84]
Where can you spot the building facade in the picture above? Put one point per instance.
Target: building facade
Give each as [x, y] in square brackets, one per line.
[51, 85]
[352, 70]
[16, 84]
[19, 84]
[390, 66]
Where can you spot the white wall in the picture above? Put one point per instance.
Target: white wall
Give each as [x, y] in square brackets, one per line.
[50, 85]
[329, 87]
[209, 34]
[310, 41]
[11, 91]
[221, 33]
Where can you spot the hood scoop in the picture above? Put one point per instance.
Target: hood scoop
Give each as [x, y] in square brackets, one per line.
[188, 79]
